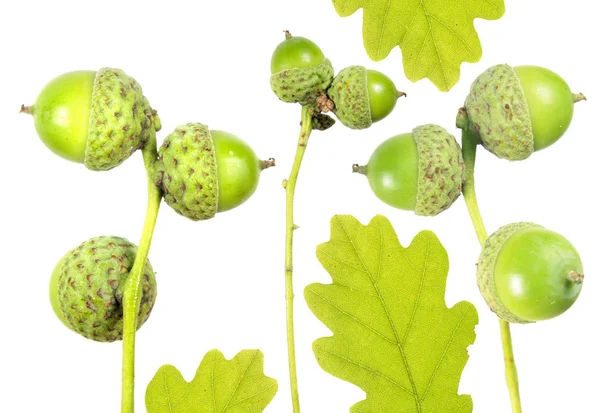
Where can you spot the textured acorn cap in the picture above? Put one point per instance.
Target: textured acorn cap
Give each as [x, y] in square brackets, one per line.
[441, 169]
[303, 85]
[487, 264]
[121, 120]
[188, 172]
[91, 284]
[350, 95]
[499, 113]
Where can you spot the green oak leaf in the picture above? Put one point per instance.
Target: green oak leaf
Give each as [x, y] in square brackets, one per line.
[435, 36]
[220, 386]
[393, 335]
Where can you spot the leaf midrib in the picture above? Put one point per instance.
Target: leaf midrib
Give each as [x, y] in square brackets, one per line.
[237, 386]
[387, 314]
[437, 51]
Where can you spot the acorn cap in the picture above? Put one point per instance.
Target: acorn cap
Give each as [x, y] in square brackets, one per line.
[350, 95]
[121, 120]
[187, 172]
[487, 264]
[499, 114]
[91, 284]
[303, 85]
[441, 168]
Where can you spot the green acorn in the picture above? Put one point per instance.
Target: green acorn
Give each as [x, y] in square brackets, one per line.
[87, 284]
[361, 96]
[202, 172]
[420, 171]
[95, 118]
[517, 111]
[527, 273]
[299, 71]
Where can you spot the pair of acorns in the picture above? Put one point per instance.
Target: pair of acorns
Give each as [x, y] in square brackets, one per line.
[358, 96]
[513, 111]
[101, 118]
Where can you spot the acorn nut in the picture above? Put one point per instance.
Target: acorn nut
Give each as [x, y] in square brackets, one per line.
[95, 118]
[527, 273]
[517, 111]
[299, 71]
[420, 171]
[202, 172]
[362, 96]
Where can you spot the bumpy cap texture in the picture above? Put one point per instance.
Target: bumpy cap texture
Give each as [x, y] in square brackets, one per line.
[487, 264]
[350, 95]
[499, 113]
[441, 169]
[121, 120]
[188, 172]
[303, 85]
[91, 284]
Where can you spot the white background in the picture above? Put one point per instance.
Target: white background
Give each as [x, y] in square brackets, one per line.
[221, 281]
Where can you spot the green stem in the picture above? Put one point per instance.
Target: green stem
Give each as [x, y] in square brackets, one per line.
[133, 291]
[512, 378]
[290, 227]
[469, 148]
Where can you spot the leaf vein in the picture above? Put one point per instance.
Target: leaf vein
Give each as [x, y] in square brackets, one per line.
[362, 323]
[383, 26]
[370, 370]
[450, 340]
[347, 264]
